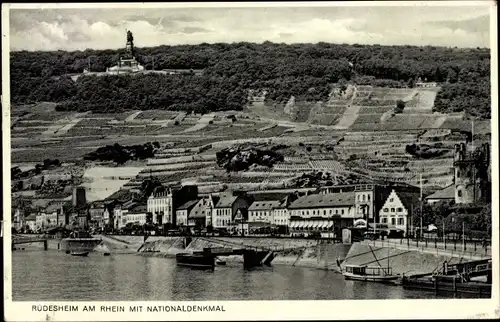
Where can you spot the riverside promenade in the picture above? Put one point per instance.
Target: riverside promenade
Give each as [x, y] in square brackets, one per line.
[467, 250]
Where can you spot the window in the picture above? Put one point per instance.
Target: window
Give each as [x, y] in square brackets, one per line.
[391, 200]
[342, 211]
[459, 192]
[384, 220]
[369, 197]
[393, 210]
[458, 173]
[399, 210]
[324, 212]
[393, 221]
[330, 211]
[364, 197]
[401, 221]
[386, 209]
[336, 211]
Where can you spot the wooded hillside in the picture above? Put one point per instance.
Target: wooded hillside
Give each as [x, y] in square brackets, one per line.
[306, 71]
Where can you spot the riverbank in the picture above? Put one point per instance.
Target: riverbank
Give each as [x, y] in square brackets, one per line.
[306, 253]
[288, 251]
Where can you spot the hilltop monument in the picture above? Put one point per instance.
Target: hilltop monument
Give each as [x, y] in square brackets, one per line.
[127, 62]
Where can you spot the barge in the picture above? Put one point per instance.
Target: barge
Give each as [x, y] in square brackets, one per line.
[197, 260]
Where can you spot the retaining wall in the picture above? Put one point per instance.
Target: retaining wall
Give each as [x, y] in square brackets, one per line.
[408, 262]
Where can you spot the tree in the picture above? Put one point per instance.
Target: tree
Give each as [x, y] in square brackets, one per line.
[400, 105]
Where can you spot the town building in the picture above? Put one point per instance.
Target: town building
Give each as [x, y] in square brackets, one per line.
[224, 207]
[369, 198]
[40, 220]
[120, 213]
[31, 223]
[326, 213]
[263, 211]
[18, 219]
[52, 212]
[108, 216]
[447, 194]
[199, 213]
[136, 215]
[183, 211]
[398, 210]
[281, 214]
[472, 173]
[164, 202]
[96, 212]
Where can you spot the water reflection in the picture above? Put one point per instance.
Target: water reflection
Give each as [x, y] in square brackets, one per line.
[50, 275]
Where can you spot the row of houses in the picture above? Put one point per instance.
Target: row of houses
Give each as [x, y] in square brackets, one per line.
[326, 210]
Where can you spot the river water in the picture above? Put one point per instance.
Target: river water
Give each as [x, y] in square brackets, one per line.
[51, 275]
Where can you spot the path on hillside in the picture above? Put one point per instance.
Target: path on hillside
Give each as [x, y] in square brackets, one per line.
[350, 114]
[201, 123]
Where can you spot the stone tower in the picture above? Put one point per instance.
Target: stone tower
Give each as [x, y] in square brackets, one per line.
[472, 181]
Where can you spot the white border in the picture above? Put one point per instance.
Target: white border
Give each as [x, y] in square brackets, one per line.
[257, 310]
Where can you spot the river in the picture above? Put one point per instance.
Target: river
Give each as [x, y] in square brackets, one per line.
[51, 275]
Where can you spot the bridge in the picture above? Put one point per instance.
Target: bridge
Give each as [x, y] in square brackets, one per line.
[18, 240]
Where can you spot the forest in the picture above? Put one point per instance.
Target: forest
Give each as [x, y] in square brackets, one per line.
[306, 71]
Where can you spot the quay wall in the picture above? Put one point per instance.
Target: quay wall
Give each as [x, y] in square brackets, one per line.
[408, 262]
[288, 251]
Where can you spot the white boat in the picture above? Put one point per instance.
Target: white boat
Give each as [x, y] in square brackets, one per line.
[369, 273]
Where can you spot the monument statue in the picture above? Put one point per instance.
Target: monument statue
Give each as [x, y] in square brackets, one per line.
[130, 37]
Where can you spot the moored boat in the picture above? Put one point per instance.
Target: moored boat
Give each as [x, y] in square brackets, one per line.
[195, 260]
[370, 274]
[81, 254]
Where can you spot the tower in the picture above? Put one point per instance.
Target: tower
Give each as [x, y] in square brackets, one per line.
[472, 182]
[79, 198]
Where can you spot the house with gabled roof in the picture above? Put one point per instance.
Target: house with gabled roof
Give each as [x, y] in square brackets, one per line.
[224, 207]
[199, 213]
[183, 211]
[398, 209]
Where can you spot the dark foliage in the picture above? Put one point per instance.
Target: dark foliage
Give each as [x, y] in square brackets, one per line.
[303, 70]
[121, 154]
[240, 159]
[425, 151]
[17, 173]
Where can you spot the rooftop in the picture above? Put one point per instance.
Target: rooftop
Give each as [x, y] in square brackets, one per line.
[446, 193]
[137, 209]
[188, 205]
[264, 205]
[225, 200]
[324, 200]
[200, 209]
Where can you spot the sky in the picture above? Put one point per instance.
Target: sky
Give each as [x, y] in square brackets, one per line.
[80, 29]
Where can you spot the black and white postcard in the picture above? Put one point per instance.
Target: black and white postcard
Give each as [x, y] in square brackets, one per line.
[249, 161]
